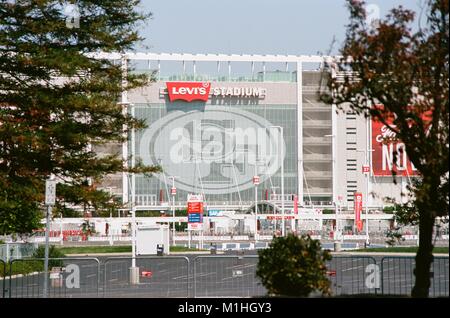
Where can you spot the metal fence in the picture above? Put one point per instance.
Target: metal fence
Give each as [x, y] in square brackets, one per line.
[226, 276]
[164, 276]
[349, 275]
[397, 275]
[209, 276]
[68, 278]
[2, 278]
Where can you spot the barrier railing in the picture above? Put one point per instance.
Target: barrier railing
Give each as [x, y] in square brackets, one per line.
[159, 276]
[226, 276]
[67, 278]
[2, 278]
[397, 275]
[349, 275]
[210, 276]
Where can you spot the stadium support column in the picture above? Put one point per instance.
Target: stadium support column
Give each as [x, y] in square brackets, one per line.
[300, 131]
[124, 103]
[333, 152]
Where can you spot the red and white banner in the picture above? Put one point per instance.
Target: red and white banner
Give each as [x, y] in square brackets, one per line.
[295, 204]
[358, 209]
[188, 91]
[195, 207]
[385, 144]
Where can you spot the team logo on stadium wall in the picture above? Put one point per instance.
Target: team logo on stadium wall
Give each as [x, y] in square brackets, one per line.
[213, 151]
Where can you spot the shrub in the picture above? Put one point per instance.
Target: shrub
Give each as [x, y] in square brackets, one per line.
[53, 252]
[294, 266]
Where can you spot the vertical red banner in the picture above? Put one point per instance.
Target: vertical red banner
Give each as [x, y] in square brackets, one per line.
[295, 204]
[358, 209]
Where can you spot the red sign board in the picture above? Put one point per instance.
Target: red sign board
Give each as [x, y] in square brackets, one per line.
[256, 180]
[195, 207]
[358, 209]
[365, 169]
[385, 144]
[173, 191]
[188, 91]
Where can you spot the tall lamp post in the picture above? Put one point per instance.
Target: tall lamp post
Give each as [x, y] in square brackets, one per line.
[283, 228]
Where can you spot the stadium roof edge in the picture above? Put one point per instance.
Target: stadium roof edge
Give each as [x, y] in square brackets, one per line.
[214, 57]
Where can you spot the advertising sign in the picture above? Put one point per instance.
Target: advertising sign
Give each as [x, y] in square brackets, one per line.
[358, 209]
[195, 209]
[188, 91]
[215, 213]
[385, 144]
[195, 217]
[217, 143]
[295, 204]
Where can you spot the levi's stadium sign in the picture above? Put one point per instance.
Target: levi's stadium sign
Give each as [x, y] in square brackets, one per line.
[190, 91]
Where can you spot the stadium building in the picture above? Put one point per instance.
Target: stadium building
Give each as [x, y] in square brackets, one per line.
[216, 121]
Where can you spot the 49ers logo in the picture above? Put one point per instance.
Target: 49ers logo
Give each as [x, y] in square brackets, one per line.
[188, 91]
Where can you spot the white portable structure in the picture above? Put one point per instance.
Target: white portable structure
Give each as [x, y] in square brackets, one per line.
[148, 237]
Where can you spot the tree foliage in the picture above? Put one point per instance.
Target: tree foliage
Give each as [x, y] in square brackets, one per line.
[57, 102]
[408, 74]
[294, 266]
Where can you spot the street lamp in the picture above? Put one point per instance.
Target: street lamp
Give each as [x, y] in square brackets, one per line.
[134, 271]
[282, 177]
[366, 163]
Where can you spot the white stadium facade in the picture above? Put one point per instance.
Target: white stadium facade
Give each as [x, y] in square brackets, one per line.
[215, 122]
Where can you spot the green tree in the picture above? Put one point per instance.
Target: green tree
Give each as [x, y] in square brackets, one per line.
[58, 103]
[406, 72]
[294, 266]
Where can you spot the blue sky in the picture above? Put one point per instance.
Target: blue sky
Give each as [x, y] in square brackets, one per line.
[251, 26]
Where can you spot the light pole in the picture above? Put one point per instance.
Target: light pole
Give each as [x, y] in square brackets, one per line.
[134, 271]
[280, 148]
[173, 191]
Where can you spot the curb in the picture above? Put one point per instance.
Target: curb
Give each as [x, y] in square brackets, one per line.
[19, 275]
